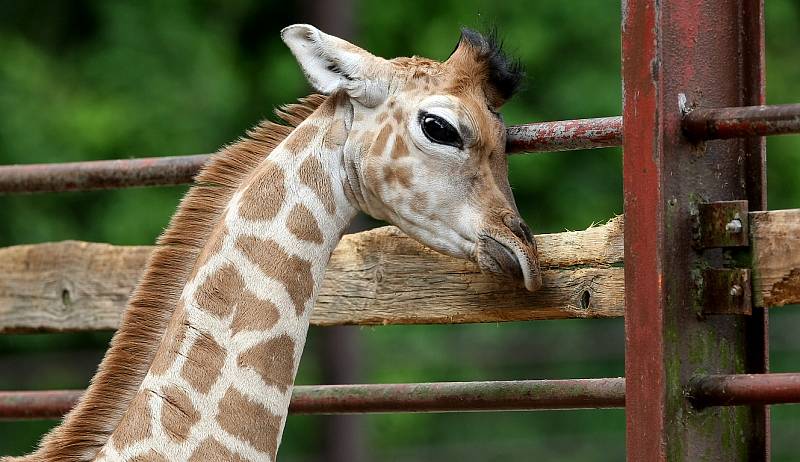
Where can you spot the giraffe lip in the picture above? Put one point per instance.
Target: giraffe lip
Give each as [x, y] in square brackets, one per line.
[504, 259]
[520, 261]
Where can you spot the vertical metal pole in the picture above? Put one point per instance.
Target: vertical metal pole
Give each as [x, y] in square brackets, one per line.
[711, 51]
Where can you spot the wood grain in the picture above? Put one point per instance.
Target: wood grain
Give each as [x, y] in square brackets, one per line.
[375, 277]
[775, 238]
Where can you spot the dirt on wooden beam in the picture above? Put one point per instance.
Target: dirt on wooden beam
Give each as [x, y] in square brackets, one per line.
[374, 277]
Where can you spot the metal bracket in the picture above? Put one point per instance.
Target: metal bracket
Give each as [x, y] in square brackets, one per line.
[727, 291]
[723, 224]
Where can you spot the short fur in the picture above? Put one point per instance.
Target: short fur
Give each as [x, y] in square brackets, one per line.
[88, 426]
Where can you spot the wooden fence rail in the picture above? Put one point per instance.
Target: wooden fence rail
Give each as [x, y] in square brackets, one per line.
[383, 277]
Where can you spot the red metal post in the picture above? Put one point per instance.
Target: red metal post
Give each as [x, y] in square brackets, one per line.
[678, 53]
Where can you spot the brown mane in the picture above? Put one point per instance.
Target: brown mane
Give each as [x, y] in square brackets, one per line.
[89, 425]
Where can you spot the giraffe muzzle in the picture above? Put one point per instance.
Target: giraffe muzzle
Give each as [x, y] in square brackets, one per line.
[510, 252]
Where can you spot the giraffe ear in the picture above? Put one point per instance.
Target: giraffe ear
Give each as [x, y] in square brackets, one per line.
[332, 64]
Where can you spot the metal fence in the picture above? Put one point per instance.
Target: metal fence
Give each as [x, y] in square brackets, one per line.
[693, 71]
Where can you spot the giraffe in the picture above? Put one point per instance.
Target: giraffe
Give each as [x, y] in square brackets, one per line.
[203, 365]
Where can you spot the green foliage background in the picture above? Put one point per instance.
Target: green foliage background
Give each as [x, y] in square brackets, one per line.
[94, 79]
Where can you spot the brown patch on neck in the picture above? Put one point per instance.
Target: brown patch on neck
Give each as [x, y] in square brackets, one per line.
[178, 414]
[291, 271]
[219, 291]
[149, 456]
[88, 426]
[273, 360]
[302, 224]
[204, 362]
[252, 313]
[262, 200]
[313, 175]
[212, 450]
[336, 135]
[249, 421]
[301, 138]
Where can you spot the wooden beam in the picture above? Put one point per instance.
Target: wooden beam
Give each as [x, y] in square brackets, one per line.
[374, 277]
[776, 257]
[383, 277]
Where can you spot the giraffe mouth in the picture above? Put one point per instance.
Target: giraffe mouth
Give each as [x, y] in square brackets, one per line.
[510, 257]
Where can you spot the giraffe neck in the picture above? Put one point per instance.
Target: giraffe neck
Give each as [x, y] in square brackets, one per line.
[220, 384]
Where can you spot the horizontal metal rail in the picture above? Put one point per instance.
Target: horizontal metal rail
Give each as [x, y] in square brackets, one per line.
[100, 174]
[738, 122]
[162, 171]
[732, 390]
[407, 397]
[565, 135]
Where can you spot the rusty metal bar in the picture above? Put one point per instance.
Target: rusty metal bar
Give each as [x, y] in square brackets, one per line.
[406, 397]
[99, 174]
[739, 389]
[565, 135]
[739, 122]
[159, 171]
[710, 54]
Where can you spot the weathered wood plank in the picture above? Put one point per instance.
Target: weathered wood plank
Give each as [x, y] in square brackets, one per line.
[375, 277]
[775, 237]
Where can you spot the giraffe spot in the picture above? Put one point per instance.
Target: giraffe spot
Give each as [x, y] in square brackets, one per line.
[379, 145]
[313, 175]
[300, 138]
[252, 313]
[178, 414]
[419, 202]
[302, 224]
[397, 114]
[264, 196]
[150, 456]
[219, 291]
[273, 360]
[381, 118]
[249, 421]
[203, 363]
[335, 136]
[366, 138]
[411, 86]
[211, 450]
[399, 149]
[135, 423]
[397, 174]
[170, 345]
[291, 271]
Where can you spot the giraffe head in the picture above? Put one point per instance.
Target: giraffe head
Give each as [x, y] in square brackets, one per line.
[423, 145]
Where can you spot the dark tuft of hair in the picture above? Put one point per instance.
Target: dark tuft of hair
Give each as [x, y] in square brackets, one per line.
[506, 74]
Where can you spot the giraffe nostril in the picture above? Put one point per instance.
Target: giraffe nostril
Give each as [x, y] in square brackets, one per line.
[519, 228]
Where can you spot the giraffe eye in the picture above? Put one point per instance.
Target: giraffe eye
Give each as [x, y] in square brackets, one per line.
[439, 130]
